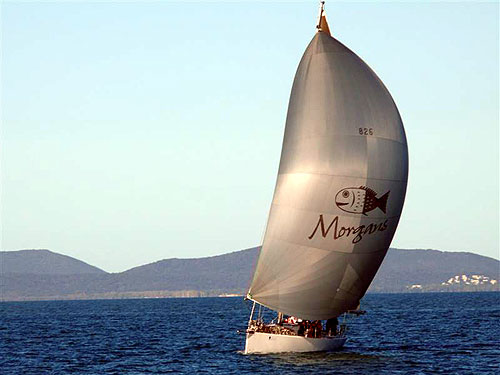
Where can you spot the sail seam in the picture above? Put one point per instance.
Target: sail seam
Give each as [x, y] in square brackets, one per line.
[329, 213]
[336, 134]
[327, 250]
[341, 175]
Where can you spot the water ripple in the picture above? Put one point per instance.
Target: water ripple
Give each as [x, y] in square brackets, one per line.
[401, 334]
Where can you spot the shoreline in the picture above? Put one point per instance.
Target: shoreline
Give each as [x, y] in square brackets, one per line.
[191, 294]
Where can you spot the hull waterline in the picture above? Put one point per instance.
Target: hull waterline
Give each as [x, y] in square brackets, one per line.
[262, 343]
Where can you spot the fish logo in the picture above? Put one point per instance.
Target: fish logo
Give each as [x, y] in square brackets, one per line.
[360, 200]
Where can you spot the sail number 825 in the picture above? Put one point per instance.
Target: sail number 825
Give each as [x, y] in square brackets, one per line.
[365, 131]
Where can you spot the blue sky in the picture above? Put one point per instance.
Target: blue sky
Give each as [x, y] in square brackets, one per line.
[133, 132]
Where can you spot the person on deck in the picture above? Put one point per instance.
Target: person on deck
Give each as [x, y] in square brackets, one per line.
[301, 330]
[316, 328]
[331, 326]
[319, 328]
[309, 329]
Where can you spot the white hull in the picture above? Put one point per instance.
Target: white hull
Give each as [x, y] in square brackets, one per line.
[259, 342]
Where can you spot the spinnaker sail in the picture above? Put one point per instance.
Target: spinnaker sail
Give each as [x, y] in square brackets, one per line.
[340, 188]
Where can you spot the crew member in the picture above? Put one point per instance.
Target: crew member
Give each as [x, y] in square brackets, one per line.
[331, 326]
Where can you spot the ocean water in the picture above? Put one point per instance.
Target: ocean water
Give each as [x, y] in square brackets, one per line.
[437, 333]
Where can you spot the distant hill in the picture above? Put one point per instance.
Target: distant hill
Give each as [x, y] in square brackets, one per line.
[403, 268]
[44, 262]
[42, 274]
[227, 272]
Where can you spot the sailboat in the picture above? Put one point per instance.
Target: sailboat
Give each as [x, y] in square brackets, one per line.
[337, 202]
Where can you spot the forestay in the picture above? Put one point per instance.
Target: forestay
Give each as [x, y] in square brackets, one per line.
[340, 188]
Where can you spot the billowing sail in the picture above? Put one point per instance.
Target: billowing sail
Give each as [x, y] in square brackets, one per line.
[340, 188]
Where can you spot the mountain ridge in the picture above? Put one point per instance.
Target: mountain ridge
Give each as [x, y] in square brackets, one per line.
[41, 259]
[230, 273]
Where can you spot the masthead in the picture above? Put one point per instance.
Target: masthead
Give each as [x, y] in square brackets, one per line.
[322, 24]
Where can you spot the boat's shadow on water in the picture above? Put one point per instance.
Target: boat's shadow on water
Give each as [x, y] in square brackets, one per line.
[316, 358]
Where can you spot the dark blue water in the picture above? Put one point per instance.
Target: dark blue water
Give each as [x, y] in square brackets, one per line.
[401, 334]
